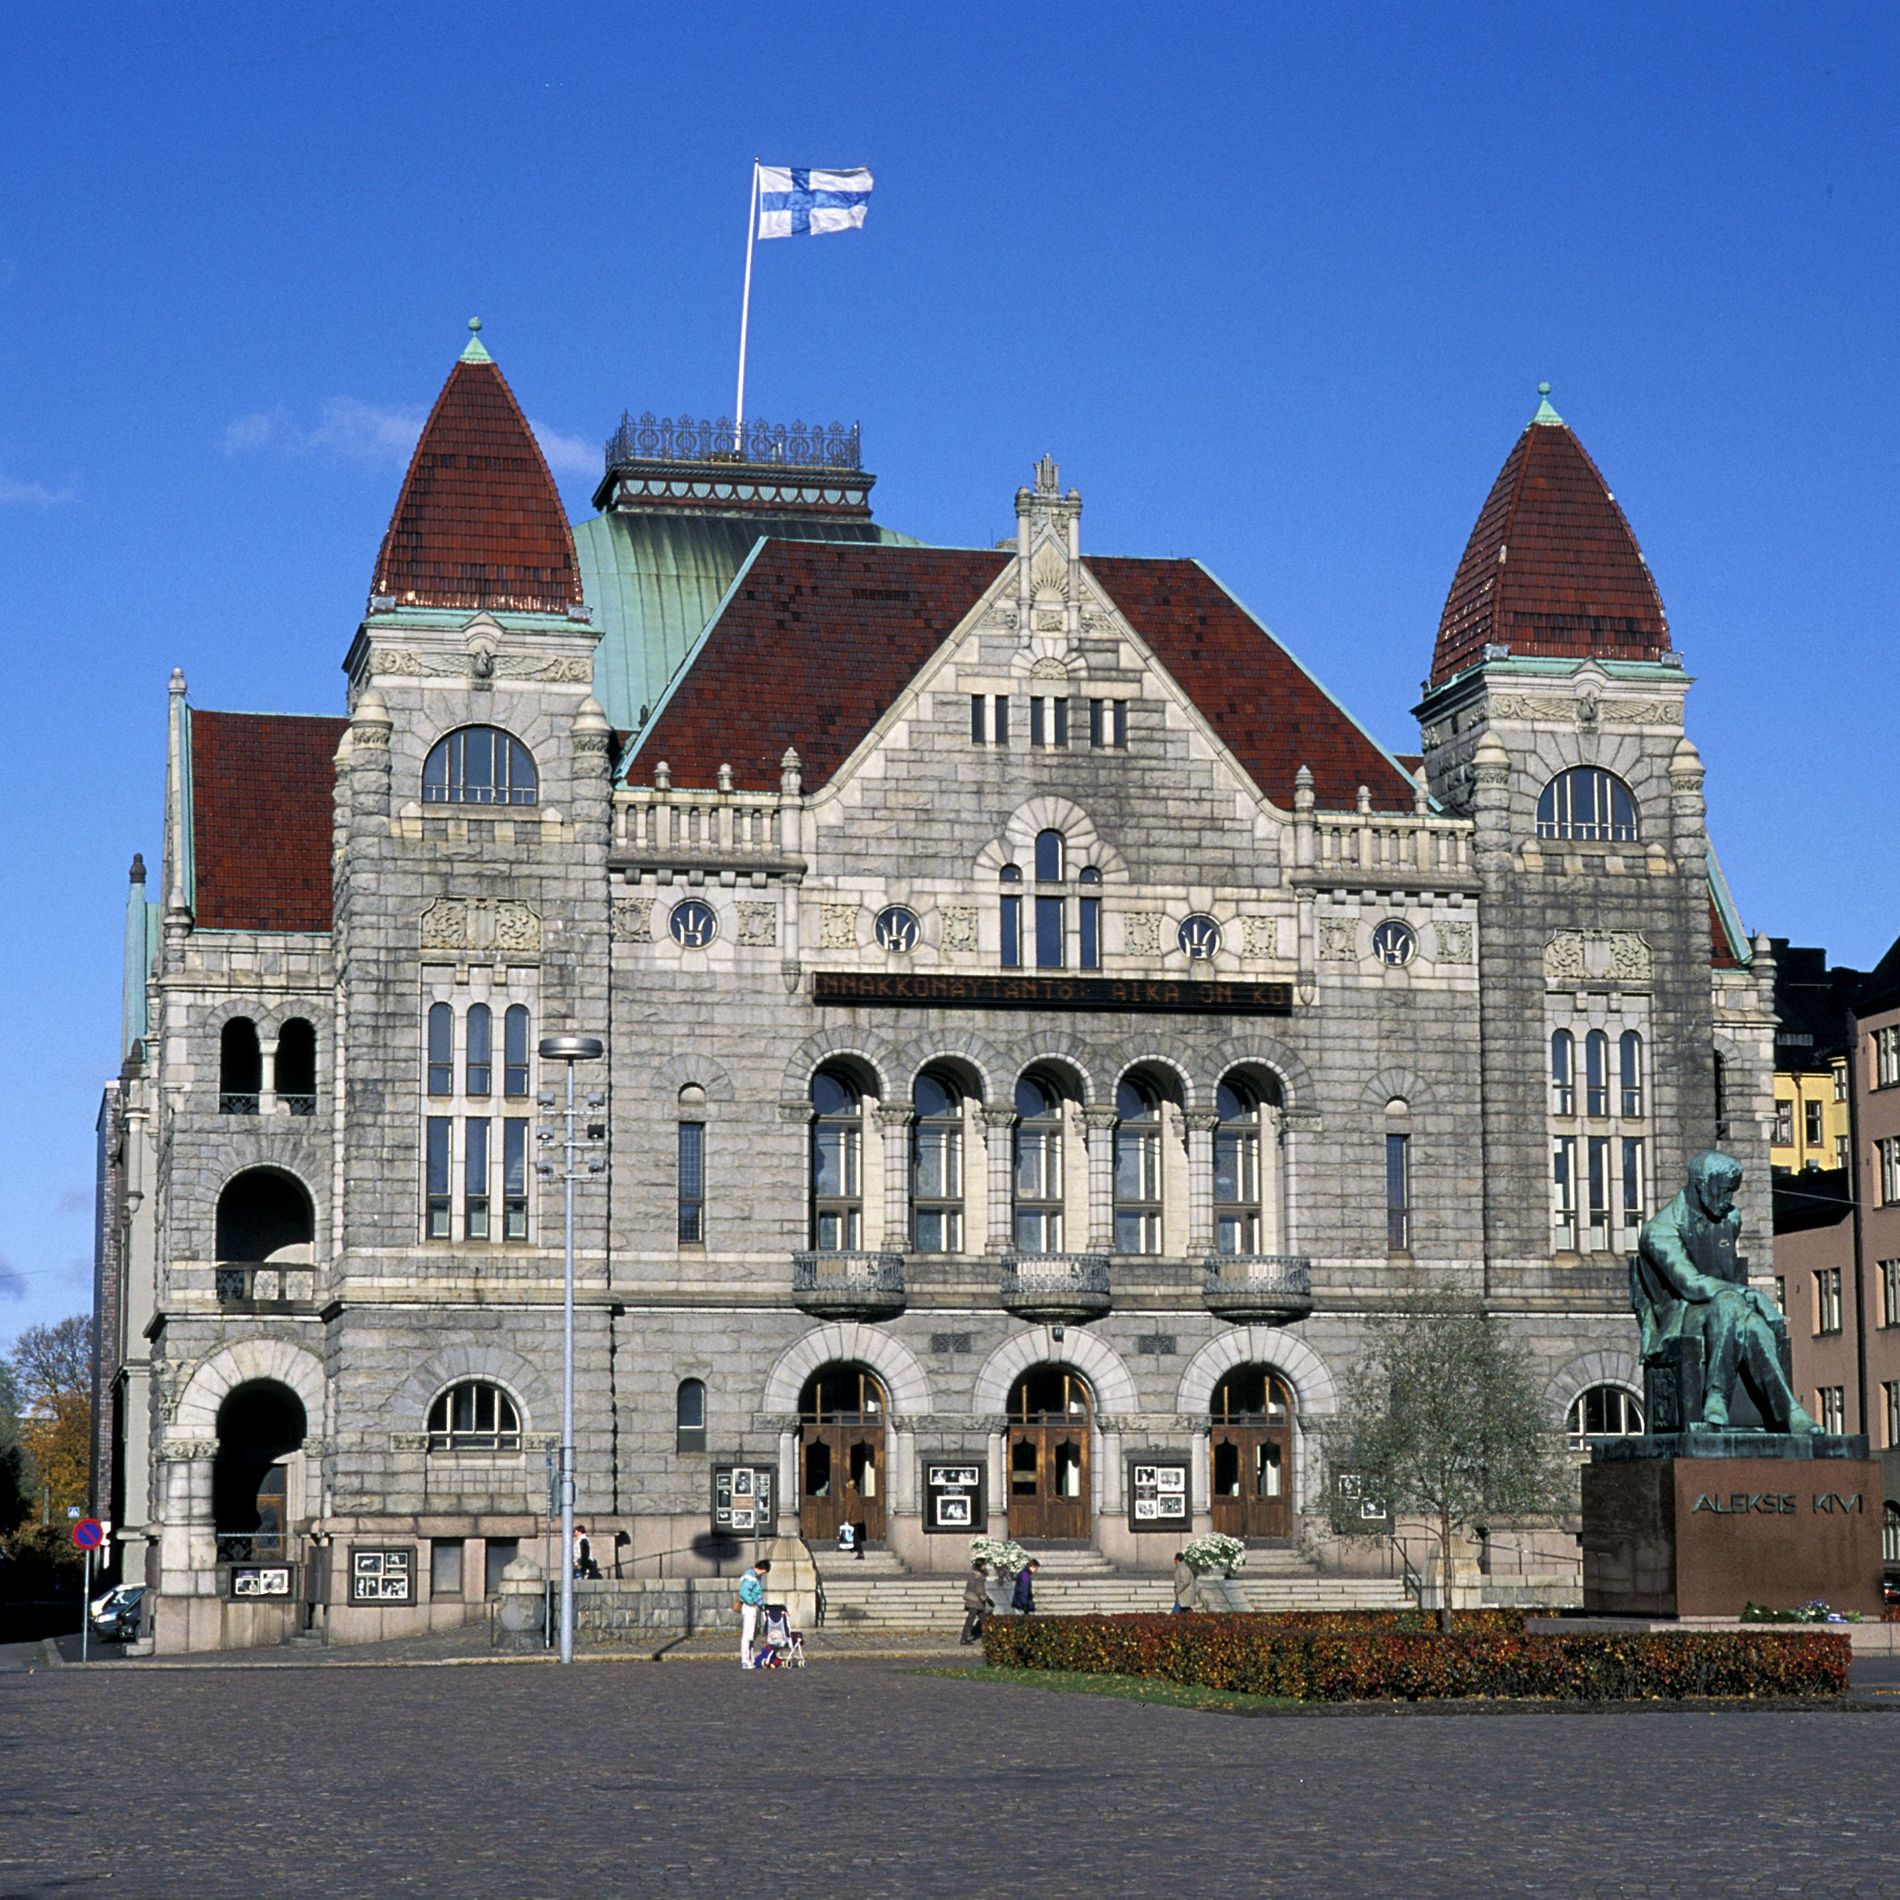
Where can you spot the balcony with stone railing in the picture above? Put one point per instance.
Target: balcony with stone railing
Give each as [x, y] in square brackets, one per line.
[848, 1285]
[1056, 1286]
[1263, 1288]
[264, 1287]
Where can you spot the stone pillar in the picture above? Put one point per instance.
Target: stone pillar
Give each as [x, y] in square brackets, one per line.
[999, 1130]
[1274, 1225]
[895, 1120]
[1201, 1123]
[1100, 1123]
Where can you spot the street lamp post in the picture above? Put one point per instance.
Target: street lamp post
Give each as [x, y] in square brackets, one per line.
[568, 1050]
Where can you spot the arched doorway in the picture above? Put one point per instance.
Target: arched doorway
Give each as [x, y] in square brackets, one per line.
[255, 1478]
[841, 1416]
[1250, 1450]
[1048, 1454]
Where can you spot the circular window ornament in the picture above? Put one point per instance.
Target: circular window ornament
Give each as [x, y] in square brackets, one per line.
[897, 928]
[694, 924]
[1395, 943]
[1199, 935]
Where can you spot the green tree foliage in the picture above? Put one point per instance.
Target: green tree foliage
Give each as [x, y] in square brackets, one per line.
[1442, 1418]
[52, 1369]
[16, 1468]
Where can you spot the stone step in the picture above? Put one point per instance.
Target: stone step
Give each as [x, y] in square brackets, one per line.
[874, 1563]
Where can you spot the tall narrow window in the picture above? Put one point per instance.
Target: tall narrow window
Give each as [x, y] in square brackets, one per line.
[1890, 1293]
[1038, 1173]
[1398, 1192]
[1137, 1169]
[514, 1178]
[478, 1061]
[514, 1072]
[976, 718]
[1630, 1072]
[936, 1163]
[837, 1159]
[1563, 1073]
[1050, 905]
[437, 1176]
[1596, 1073]
[1827, 1300]
[1038, 720]
[1236, 1171]
[1721, 1098]
[1010, 917]
[1635, 1186]
[1095, 722]
[689, 1416]
[1059, 722]
[692, 1184]
[441, 1049]
[1563, 1177]
[1089, 934]
[1048, 857]
[1599, 1163]
[240, 1067]
[296, 1069]
[475, 1178]
[999, 724]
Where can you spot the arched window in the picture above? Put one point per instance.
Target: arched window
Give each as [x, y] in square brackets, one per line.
[1089, 933]
[1038, 1174]
[1590, 805]
[441, 1049]
[690, 1190]
[689, 1416]
[479, 765]
[1596, 1073]
[1630, 1064]
[296, 1068]
[1049, 857]
[936, 1165]
[1563, 1073]
[1398, 1176]
[1137, 1169]
[474, 1416]
[1604, 1411]
[837, 1163]
[478, 1059]
[514, 1054]
[1051, 905]
[240, 1067]
[1011, 916]
[262, 1215]
[1236, 1170]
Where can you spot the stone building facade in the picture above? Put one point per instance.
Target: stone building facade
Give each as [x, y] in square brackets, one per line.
[1041, 1026]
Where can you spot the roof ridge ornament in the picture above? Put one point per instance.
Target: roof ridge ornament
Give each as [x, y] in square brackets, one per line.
[1545, 413]
[475, 353]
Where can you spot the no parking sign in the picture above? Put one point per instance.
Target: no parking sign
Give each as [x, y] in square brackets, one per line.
[89, 1533]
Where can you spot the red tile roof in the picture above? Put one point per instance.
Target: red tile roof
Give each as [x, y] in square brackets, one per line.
[479, 522]
[1272, 715]
[819, 639]
[1551, 567]
[1721, 951]
[261, 819]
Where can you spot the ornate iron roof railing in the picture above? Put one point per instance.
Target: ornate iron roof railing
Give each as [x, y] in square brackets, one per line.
[651, 438]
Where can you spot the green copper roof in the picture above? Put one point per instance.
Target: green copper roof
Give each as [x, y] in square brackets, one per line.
[474, 353]
[1545, 413]
[653, 581]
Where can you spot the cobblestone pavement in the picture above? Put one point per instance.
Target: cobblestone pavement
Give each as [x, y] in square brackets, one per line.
[867, 1779]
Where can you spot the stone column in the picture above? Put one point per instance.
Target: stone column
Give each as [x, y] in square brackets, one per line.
[1201, 1123]
[1100, 1123]
[1273, 1160]
[895, 1120]
[999, 1127]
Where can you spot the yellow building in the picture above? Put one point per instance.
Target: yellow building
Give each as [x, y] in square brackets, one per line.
[1811, 1119]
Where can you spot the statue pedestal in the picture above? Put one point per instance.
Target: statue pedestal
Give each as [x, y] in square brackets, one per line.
[1703, 1523]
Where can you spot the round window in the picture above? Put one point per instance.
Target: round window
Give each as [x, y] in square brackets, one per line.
[1199, 936]
[694, 924]
[898, 928]
[1395, 943]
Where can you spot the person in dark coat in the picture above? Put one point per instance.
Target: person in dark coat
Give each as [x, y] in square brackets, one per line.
[1023, 1597]
[976, 1602]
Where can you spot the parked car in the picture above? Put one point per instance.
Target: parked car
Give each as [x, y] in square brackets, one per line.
[1890, 1591]
[115, 1615]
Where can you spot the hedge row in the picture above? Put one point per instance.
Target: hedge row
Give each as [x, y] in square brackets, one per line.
[1263, 1656]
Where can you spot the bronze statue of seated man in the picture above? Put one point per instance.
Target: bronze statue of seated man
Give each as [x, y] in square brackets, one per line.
[1687, 1282]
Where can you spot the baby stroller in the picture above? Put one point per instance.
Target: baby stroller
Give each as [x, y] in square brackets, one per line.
[779, 1645]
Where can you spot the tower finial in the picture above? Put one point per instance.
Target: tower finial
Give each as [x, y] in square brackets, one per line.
[1545, 413]
[474, 352]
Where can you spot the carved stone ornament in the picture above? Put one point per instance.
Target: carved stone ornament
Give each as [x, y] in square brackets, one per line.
[395, 662]
[838, 926]
[633, 919]
[481, 923]
[1600, 956]
[1141, 933]
[445, 924]
[176, 1451]
[959, 927]
[408, 1441]
[569, 669]
[1640, 712]
[1339, 939]
[758, 924]
[517, 926]
[1258, 937]
[1049, 573]
[1515, 706]
[1048, 668]
[1454, 942]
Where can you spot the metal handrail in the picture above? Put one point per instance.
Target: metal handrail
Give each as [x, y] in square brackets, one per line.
[1275, 1272]
[873, 1272]
[651, 438]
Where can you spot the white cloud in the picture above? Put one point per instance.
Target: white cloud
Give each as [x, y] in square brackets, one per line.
[30, 494]
[567, 454]
[347, 430]
[257, 430]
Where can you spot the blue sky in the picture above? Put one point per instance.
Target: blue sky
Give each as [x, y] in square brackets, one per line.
[1275, 284]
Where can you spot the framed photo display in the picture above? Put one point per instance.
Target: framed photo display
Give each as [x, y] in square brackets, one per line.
[744, 1501]
[1158, 1497]
[382, 1573]
[272, 1581]
[954, 1497]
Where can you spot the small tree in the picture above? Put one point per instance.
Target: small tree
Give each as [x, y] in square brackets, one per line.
[16, 1468]
[1442, 1418]
[52, 1368]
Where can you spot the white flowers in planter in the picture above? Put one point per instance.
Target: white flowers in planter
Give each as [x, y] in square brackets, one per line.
[1215, 1555]
[1004, 1556]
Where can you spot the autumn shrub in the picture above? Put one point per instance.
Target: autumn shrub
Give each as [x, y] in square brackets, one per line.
[1341, 1659]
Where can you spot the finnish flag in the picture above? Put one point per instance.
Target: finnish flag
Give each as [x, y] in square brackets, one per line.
[795, 201]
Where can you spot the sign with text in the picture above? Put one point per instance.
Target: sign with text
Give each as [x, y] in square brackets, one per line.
[744, 1503]
[986, 990]
[382, 1574]
[953, 1495]
[1158, 1493]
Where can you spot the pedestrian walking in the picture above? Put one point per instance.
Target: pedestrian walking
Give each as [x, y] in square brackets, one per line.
[976, 1602]
[748, 1603]
[1185, 1585]
[584, 1564]
[1023, 1598]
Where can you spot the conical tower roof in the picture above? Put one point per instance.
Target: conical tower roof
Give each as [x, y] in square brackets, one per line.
[1552, 567]
[479, 522]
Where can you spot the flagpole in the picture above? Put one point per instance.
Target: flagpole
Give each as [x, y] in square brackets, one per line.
[745, 312]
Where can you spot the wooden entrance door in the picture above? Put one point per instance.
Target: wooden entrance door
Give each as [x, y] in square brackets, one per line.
[1250, 1452]
[1046, 1452]
[841, 1454]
